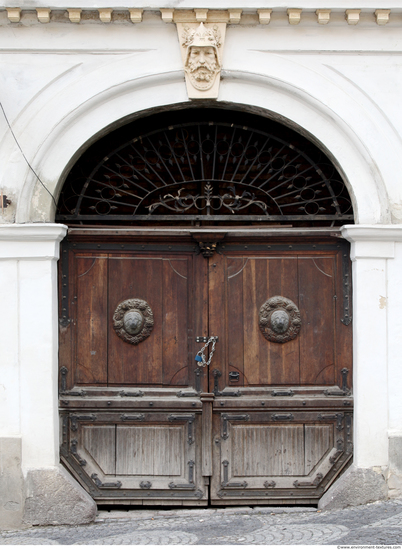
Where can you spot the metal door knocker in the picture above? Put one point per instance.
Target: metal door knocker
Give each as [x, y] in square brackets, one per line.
[133, 320]
[280, 320]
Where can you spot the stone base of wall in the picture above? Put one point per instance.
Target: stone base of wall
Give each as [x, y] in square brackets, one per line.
[354, 487]
[395, 467]
[11, 483]
[53, 497]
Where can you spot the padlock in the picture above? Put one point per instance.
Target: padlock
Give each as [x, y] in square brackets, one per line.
[198, 358]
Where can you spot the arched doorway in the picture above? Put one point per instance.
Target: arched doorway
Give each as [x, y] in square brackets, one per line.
[213, 229]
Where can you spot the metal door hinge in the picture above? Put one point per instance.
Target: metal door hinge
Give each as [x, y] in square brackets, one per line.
[319, 477]
[217, 374]
[278, 417]
[282, 393]
[131, 393]
[111, 485]
[230, 418]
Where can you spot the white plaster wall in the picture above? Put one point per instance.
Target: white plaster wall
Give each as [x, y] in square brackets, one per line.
[394, 307]
[9, 346]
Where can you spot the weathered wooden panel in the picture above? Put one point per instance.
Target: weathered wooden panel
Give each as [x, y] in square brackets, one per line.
[283, 358]
[267, 450]
[344, 342]
[235, 322]
[91, 323]
[317, 310]
[318, 441]
[67, 331]
[175, 321]
[199, 299]
[251, 281]
[150, 450]
[218, 318]
[136, 277]
[100, 443]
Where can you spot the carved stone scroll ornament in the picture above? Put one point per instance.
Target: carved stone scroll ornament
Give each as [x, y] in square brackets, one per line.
[280, 320]
[133, 320]
[201, 53]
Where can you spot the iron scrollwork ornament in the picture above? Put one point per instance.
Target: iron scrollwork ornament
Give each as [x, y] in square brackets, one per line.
[133, 320]
[280, 320]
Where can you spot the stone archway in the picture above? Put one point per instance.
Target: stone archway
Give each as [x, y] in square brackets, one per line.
[204, 179]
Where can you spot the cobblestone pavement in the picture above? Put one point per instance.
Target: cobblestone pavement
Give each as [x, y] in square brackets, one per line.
[379, 523]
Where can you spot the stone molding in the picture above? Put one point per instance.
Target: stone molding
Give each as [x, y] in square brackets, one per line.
[366, 232]
[231, 16]
[31, 241]
[372, 241]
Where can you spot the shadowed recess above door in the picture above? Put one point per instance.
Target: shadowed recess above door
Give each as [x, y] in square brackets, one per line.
[205, 166]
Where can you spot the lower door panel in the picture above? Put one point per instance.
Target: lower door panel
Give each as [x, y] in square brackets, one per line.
[274, 456]
[135, 456]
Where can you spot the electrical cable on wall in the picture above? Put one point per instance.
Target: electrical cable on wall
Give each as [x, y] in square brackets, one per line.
[22, 152]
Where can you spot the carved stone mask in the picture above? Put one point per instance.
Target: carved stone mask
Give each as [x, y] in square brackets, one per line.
[202, 66]
[280, 321]
[133, 322]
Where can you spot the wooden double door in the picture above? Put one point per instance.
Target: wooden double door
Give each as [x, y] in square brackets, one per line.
[269, 420]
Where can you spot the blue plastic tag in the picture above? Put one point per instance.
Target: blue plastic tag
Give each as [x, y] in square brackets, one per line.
[198, 359]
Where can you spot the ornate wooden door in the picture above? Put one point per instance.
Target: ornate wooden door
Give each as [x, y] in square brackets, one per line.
[281, 373]
[131, 415]
[142, 422]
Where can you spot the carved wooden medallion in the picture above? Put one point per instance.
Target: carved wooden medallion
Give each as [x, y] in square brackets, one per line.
[133, 320]
[280, 320]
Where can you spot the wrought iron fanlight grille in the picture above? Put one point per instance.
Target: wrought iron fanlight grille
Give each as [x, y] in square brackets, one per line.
[208, 171]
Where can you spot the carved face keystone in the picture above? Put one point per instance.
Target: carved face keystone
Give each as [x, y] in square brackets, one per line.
[133, 322]
[280, 321]
[202, 66]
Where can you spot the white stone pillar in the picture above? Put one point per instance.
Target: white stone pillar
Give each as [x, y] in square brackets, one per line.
[29, 340]
[377, 372]
[372, 253]
[34, 488]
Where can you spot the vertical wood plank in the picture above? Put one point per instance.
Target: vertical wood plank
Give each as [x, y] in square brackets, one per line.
[67, 340]
[100, 443]
[317, 310]
[318, 441]
[175, 321]
[199, 313]
[235, 267]
[344, 343]
[217, 317]
[250, 318]
[207, 399]
[91, 327]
